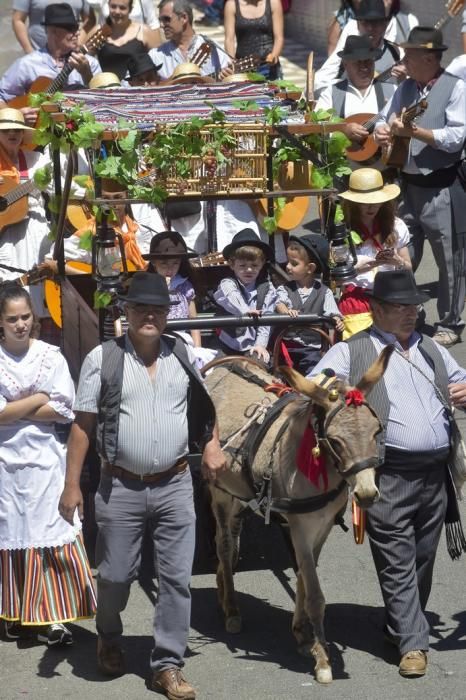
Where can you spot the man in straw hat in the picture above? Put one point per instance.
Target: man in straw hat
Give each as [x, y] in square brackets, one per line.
[357, 92]
[62, 30]
[434, 201]
[417, 495]
[372, 21]
[176, 20]
[143, 394]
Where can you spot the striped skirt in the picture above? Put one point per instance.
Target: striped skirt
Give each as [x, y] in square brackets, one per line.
[46, 585]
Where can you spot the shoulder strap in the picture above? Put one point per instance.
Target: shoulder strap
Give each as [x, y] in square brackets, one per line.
[394, 50]
[262, 290]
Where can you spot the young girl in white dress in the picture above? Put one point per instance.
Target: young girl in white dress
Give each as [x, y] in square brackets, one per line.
[45, 579]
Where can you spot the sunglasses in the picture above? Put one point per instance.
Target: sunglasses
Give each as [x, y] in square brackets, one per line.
[165, 19]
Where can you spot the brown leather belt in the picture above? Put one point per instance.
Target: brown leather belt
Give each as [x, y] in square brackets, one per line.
[114, 470]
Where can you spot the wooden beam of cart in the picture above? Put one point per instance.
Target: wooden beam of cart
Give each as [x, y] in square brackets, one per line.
[210, 321]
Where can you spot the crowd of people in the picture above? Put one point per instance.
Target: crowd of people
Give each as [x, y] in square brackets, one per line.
[140, 397]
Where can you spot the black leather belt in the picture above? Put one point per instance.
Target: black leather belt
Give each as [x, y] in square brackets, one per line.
[114, 470]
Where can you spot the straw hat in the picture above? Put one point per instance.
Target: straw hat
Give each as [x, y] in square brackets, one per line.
[13, 119]
[188, 73]
[104, 80]
[366, 187]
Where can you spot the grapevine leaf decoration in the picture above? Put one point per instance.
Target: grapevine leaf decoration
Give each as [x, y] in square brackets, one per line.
[285, 85]
[102, 299]
[85, 240]
[43, 177]
[246, 105]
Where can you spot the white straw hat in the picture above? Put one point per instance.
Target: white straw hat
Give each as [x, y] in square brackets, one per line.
[366, 187]
[13, 119]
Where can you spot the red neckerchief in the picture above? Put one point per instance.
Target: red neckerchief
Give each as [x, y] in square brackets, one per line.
[368, 235]
[23, 166]
[428, 86]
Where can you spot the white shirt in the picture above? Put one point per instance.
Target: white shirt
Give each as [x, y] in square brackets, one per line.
[355, 102]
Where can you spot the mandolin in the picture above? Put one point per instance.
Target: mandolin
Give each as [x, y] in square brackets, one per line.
[14, 205]
[52, 85]
[452, 8]
[361, 152]
[394, 153]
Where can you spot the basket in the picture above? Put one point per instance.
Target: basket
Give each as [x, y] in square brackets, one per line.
[244, 170]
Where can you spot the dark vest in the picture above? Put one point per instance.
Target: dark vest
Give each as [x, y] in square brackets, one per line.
[314, 304]
[427, 158]
[201, 411]
[363, 353]
[262, 289]
[383, 92]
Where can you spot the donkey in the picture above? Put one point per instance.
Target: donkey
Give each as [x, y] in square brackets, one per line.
[346, 431]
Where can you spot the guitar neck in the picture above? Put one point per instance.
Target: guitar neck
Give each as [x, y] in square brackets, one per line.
[20, 191]
[60, 81]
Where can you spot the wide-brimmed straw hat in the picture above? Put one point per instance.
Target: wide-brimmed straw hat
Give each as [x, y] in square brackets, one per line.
[359, 48]
[366, 186]
[104, 80]
[426, 38]
[147, 288]
[189, 73]
[13, 119]
[169, 244]
[247, 237]
[397, 287]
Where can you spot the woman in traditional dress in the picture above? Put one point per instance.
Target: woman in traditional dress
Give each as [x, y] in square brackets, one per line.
[23, 243]
[45, 578]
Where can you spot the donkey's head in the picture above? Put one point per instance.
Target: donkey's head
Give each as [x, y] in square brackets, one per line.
[347, 425]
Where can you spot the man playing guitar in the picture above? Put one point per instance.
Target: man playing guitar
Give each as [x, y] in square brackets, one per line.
[62, 47]
[434, 201]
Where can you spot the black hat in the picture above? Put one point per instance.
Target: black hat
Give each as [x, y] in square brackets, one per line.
[247, 237]
[141, 63]
[397, 287]
[426, 38]
[316, 246]
[60, 14]
[162, 245]
[359, 48]
[147, 288]
[371, 10]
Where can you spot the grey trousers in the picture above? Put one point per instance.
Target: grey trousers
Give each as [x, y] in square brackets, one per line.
[123, 508]
[404, 528]
[428, 213]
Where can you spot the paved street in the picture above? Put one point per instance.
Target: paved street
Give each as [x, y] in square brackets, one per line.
[262, 662]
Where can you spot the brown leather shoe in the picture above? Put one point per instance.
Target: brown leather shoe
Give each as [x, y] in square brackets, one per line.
[171, 682]
[110, 658]
[413, 663]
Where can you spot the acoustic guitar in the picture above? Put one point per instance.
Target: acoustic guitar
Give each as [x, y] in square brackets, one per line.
[394, 153]
[452, 9]
[52, 85]
[14, 205]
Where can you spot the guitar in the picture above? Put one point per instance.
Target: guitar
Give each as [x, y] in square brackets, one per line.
[37, 274]
[14, 205]
[395, 151]
[453, 8]
[184, 72]
[52, 85]
[360, 152]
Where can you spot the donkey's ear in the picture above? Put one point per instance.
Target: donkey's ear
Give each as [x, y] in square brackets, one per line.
[376, 370]
[306, 386]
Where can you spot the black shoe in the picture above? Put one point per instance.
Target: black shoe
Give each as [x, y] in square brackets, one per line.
[56, 635]
[11, 631]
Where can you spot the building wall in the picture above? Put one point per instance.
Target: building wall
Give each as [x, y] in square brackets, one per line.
[308, 21]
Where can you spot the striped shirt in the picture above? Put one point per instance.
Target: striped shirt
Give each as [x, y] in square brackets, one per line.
[417, 420]
[230, 298]
[153, 428]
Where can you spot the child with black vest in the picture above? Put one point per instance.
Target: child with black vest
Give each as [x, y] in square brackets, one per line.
[304, 294]
[247, 292]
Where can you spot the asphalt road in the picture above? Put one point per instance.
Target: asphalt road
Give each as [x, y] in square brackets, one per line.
[261, 662]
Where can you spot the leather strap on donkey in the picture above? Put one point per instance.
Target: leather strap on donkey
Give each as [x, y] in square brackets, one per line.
[264, 500]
